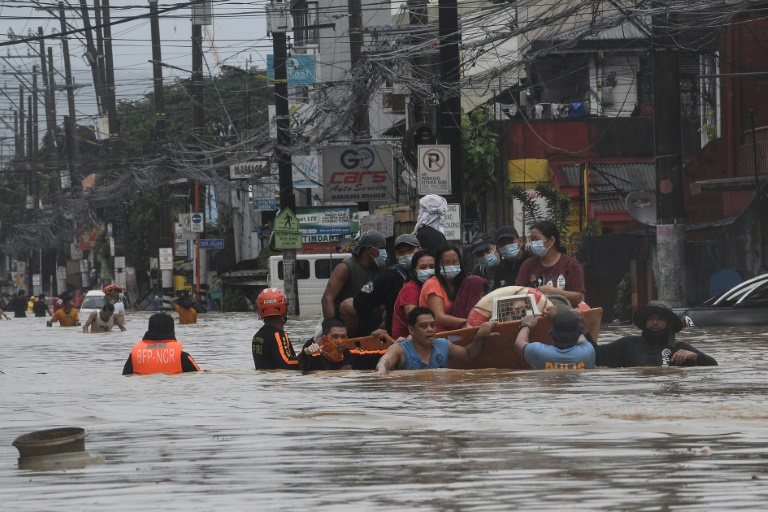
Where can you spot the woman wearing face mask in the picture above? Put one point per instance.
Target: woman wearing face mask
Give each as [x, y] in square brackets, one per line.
[422, 268]
[551, 271]
[451, 294]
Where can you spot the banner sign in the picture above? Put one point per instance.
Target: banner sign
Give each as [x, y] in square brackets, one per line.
[452, 222]
[356, 173]
[306, 171]
[300, 69]
[327, 224]
[265, 197]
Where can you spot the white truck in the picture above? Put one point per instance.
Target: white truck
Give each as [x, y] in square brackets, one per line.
[312, 273]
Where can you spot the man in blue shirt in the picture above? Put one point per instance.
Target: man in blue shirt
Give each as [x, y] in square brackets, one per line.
[423, 351]
[570, 349]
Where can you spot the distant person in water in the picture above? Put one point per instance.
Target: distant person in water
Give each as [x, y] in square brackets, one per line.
[103, 320]
[656, 345]
[423, 351]
[158, 351]
[67, 316]
[19, 305]
[40, 308]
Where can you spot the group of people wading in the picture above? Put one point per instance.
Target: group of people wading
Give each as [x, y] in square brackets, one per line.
[429, 291]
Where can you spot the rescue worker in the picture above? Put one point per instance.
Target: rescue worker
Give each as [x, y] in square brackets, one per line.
[103, 320]
[158, 351]
[67, 316]
[271, 347]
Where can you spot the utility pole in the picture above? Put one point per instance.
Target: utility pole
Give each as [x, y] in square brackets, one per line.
[48, 139]
[197, 122]
[670, 213]
[93, 57]
[361, 126]
[114, 129]
[449, 120]
[164, 238]
[70, 123]
[22, 139]
[278, 23]
[35, 134]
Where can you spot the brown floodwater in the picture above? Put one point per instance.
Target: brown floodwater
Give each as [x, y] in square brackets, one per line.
[237, 438]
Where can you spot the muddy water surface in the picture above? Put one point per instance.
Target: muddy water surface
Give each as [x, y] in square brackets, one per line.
[238, 439]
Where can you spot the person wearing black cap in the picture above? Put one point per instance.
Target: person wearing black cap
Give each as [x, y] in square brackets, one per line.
[382, 291]
[369, 256]
[512, 253]
[570, 350]
[656, 346]
[488, 259]
[158, 351]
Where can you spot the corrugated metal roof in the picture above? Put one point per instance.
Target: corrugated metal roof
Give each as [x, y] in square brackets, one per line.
[610, 183]
[626, 30]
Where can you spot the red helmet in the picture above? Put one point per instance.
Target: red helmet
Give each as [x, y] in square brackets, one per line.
[271, 302]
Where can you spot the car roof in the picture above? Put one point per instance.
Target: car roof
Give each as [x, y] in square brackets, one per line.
[95, 293]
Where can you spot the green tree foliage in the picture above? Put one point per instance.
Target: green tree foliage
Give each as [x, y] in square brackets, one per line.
[480, 153]
[224, 111]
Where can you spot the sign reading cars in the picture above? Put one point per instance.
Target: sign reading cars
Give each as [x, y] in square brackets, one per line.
[358, 173]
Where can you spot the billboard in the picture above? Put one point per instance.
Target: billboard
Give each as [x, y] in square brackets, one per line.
[299, 68]
[326, 224]
[354, 173]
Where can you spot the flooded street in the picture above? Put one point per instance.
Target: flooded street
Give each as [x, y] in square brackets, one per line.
[237, 439]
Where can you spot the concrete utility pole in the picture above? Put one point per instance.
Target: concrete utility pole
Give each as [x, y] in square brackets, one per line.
[70, 123]
[670, 213]
[93, 57]
[197, 123]
[361, 127]
[278, 21]
[449, 120]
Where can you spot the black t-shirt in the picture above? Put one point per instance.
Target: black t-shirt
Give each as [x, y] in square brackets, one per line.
[636, 351]
[430, 239]
[506, 271]
[382, 291]
[40, 308]
[272, 350]
[319, 362]
[19, 307]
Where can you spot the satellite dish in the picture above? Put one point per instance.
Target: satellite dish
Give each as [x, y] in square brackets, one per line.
[642, 207]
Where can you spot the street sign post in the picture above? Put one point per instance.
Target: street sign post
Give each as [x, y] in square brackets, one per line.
[434, 170]
[211, 243]
[287, 234]
[197, 223]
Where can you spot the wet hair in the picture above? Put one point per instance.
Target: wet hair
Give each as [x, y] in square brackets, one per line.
[416, 257]
[108, 308]
[161, 324]
[416, 313]
[441, 278]
[549, 230]
[330, 323]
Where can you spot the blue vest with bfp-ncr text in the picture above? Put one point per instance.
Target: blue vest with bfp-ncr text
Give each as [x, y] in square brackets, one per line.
[438, 358]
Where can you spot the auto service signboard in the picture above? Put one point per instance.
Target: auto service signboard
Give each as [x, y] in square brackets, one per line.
[354, 173]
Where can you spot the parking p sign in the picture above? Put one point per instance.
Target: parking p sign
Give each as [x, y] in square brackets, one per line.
[434, 169]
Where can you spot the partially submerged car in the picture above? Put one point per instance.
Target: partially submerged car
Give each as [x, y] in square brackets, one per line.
[94, 301]
[745, 304]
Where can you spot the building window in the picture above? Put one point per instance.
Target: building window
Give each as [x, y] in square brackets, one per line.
[305, 24]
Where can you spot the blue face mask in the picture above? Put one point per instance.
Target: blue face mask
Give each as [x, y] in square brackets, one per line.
[423, 275]
[381, 259]
[538, 249]
[451, 272]
[489, 260]
[509, 252]
[405, 261]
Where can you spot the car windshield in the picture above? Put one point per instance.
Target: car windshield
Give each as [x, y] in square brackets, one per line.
[93, 303]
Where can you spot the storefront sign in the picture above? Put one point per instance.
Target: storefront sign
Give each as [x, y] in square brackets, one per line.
[358, 173]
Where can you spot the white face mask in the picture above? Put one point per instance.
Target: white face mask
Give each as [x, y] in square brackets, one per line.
[423, 275]
[405, 260]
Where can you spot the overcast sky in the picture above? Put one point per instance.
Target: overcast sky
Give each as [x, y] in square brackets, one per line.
[238, 33]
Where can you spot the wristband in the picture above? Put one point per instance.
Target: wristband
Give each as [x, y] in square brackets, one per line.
[523, 325]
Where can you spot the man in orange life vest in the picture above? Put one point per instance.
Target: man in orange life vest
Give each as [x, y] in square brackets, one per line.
[159, 352]
[271, 347]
